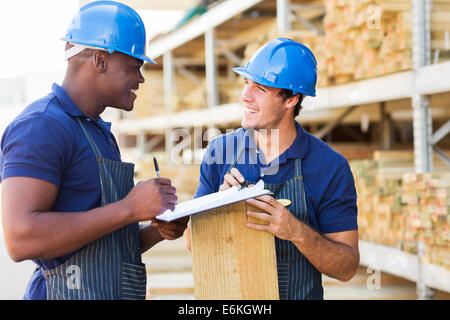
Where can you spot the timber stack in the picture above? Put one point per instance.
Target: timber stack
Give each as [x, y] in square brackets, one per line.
[366, 38]
[397, 207]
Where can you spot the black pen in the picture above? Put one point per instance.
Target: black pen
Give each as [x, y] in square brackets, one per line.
[243, 184]
[156, 166]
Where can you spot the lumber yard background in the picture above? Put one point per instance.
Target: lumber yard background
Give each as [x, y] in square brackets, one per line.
[383, 101]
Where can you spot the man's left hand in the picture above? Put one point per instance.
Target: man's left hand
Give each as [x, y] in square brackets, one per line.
[281, 222]
[171, 230]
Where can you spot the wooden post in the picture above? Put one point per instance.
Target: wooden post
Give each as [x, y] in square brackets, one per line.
[229, 260]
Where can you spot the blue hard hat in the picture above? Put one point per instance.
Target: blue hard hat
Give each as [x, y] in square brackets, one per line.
[109, 25]
[283, 63]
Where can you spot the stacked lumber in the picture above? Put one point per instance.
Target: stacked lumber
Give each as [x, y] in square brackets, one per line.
[192, 99]
[196, 98]
[364, 175]
[229, 90]
[397, 207]
[361, 39]
[183, 177]
[426, 199]
[188, 95]
[150, 96]
[380, 217]
[369, 38]
[366, 38]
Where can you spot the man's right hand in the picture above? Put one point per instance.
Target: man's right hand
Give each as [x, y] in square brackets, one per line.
[32, 231]
[150, 198]
[233, 178]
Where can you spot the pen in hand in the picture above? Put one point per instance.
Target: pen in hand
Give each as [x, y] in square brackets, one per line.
[156, 167]
[155, 162]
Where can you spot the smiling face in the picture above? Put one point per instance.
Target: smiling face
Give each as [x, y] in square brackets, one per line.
[121, 80]
[264, 108]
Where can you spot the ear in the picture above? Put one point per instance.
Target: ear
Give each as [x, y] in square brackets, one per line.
[292, 101]
[100, 61]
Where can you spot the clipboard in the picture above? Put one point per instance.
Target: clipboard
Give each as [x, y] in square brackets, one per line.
[214, 200]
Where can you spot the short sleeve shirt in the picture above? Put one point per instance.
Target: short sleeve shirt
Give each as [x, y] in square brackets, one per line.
[327, 178]
[45, 142]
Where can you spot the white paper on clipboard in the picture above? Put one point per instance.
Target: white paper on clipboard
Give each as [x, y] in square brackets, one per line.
[214, 200]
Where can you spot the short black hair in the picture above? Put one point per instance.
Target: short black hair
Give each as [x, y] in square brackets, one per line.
[286, 94]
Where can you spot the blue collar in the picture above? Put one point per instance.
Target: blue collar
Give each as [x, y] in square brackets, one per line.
[72, 109]
[298, 149]
[300, 146]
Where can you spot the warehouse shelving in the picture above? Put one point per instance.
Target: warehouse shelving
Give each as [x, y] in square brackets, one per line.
[199, 27]
[404, 265]
[418, 85]
[391, 87]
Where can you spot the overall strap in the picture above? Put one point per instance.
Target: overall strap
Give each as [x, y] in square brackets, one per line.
[97, 152]
[299, 176]
[98, 156]
[298, 168]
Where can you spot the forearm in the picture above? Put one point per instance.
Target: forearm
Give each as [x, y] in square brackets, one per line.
[46, 235]
[335, 259]
[149, 236]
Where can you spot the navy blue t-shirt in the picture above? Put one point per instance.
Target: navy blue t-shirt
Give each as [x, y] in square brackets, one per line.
[45, 142]
[328, 182]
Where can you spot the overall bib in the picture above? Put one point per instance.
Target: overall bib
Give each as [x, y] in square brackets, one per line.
[298, 279]
[110, 267]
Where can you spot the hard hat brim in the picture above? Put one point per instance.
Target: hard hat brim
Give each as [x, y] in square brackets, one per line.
[138, 56]
[242, 71]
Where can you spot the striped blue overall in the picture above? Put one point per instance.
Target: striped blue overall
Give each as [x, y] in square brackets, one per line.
[298, 279]
[110, 267]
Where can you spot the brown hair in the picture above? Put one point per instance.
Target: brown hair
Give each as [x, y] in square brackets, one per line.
[286, 94]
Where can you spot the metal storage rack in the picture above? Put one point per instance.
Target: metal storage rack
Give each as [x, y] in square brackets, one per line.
[423, 80]
[405, 265]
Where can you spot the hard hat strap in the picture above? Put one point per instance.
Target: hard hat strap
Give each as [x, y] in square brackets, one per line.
[77, 48]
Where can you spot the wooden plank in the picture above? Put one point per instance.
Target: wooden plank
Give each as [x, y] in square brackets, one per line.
[229, 260]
